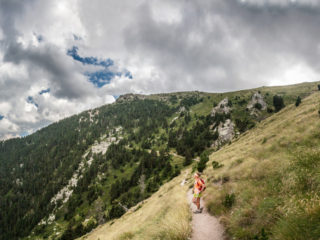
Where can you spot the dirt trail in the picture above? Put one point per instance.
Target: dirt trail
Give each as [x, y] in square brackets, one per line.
[204, 226]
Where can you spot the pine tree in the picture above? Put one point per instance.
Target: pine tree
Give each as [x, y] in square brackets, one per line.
[298, 101]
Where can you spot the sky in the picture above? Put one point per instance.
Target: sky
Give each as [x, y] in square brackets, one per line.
[61, 57]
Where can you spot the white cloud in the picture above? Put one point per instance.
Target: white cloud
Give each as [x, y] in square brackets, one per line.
[7, 126]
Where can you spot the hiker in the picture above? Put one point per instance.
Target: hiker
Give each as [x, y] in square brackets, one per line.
[198, 188]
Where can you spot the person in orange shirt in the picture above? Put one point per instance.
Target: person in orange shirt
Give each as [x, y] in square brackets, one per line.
[198, 188]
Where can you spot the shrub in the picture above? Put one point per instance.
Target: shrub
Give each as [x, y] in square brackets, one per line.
[216, 165]
[242, 102]
[269, 110]
[319, 87]
[258, 106]
[91, 224]
[204, 158]
[298, 101]
[116, 211]
[244, 124]
[229, 200]
[278, 103]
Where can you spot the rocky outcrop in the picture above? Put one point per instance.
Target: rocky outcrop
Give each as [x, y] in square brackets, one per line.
[256, 104]
[222, 107]
[225, 129]
[226, 132]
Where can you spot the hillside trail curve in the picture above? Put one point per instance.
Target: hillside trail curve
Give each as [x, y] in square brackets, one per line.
[204, 226]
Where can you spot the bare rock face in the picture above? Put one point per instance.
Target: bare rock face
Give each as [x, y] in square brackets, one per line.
[257, 98]
[222, 107]
[226, 131]
[182, 109]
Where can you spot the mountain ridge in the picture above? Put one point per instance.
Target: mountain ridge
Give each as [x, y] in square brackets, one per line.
[171, 133]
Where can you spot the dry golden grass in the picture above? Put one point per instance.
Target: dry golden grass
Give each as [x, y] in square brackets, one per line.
[165, 215]
[256, 165]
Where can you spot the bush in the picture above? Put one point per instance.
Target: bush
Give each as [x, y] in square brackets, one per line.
[257, 106]
[204, 158]
[319, 87]
[229, 200]
[116, 211]
[298, 101]
[269, 110]
[244, 124]
[216, 165]
[278, 103]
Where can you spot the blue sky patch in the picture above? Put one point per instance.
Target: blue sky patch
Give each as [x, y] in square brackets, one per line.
[1, 117]
[24, 134]
[88, 60]
[31, 101]
[44, 91]
[39, 38]
[101, 77]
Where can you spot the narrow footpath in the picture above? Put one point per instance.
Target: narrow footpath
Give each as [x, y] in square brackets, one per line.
[204, 226]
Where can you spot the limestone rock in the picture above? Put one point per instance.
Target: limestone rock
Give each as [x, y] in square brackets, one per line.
[226, 131]
[257, 98]
[222, 107]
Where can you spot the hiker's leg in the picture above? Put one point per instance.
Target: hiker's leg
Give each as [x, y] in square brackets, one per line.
[198, 203]
[194, 200]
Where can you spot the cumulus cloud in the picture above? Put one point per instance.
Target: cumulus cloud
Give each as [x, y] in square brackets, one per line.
[152, 46]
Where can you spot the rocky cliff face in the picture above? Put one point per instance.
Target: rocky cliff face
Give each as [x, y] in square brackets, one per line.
[256, 104]
[222, 107]
[225, 129]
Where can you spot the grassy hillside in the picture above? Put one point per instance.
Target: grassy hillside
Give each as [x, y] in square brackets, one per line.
[268, 187]
[165, 215]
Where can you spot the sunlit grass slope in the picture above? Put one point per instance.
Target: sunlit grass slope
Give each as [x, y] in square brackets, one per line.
[165, 215]
[269, 184]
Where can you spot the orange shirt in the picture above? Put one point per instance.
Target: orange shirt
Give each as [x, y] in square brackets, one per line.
[198, 185]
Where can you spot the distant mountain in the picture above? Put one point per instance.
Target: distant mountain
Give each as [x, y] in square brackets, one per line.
[85, 170]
